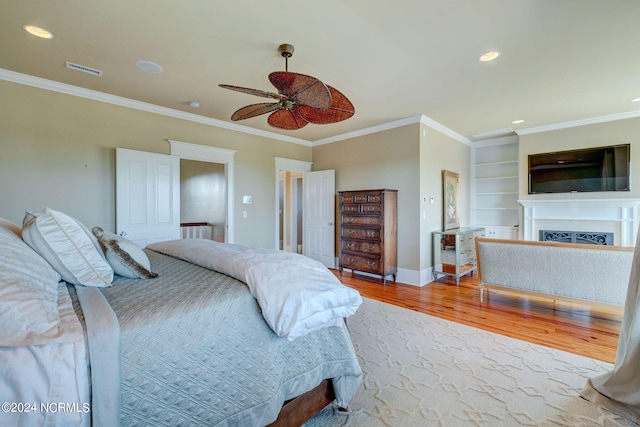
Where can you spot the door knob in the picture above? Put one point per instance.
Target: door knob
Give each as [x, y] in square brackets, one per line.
[330, 223]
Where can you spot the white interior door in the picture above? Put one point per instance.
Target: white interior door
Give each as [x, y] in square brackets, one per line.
[319, 215]
[147, 196]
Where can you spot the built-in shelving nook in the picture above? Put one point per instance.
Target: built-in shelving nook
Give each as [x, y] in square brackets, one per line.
[494, 187]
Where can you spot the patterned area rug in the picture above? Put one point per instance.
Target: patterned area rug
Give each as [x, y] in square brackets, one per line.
[421, 370]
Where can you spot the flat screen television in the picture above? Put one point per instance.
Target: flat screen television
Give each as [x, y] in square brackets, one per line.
[588, 169]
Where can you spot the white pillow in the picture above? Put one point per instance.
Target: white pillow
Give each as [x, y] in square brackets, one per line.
[126, 258]
[68, 246]
[28, 294]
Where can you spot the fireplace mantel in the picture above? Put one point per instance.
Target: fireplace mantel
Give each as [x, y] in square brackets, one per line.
[619, 216]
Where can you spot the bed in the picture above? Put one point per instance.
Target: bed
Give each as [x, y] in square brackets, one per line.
[200, 333]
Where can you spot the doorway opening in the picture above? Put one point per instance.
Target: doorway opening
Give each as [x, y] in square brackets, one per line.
[221, 161]
[291, 204]
[203, 200]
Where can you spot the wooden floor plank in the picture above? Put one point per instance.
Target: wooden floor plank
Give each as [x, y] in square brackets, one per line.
[574, 328]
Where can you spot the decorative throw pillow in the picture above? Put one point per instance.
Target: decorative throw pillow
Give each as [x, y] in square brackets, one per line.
[11, 226]
[125, 257]
[68, 246]
[28, 294]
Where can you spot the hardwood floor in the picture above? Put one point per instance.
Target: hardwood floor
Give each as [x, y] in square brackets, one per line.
[570, 327]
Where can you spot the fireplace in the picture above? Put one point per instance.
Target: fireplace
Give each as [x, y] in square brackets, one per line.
[618, 217]
[583, 237]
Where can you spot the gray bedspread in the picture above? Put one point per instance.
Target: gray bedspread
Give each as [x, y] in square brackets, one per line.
[195, 350]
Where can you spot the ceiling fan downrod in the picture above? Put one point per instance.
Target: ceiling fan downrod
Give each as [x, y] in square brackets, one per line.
[286, 51]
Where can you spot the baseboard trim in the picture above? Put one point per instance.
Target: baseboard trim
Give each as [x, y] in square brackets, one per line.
[404, 276]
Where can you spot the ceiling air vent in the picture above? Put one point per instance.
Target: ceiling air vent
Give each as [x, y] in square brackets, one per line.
[88, 70]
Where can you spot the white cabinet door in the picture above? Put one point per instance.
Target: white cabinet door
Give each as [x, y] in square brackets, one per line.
[320, 200]
[147, 196]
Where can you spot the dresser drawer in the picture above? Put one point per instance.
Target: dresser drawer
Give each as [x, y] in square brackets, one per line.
[362, 208]
[371, 209]
[361, 233]
[350, 208]
[361, 220]
[360, 263]
[367, 198]
[364, 247]
[362, 197]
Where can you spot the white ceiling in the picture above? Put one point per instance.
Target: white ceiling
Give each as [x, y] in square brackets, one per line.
[562, 61]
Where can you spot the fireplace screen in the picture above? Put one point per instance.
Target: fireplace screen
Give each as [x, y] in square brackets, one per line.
[584, 237]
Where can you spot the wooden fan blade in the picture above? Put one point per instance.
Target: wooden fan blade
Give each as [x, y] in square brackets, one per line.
[254, 110]
[341, 109]
[256, 92]
[302, 89]
[287, 119]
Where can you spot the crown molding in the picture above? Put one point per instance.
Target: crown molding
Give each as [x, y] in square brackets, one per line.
[427, 121]
[422, 119]
[368, 131]
[582, 122]
[54, 86]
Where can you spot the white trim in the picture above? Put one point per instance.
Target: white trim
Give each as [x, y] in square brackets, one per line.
[41, 83]
[422, 119]
[54, 86]
[187, 150]
[413, 277]
[582, 122]
[427, 121]
[51, 85]
[205, 153]
[622, 212]
[503, 140]
[369, 130]
[292, 165]
[404, 276]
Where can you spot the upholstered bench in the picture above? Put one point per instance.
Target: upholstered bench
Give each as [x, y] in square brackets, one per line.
[586, 274]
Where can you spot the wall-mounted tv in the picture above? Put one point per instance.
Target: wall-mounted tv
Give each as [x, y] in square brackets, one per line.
[588, 169]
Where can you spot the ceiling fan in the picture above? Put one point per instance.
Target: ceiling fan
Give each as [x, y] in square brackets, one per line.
[301, 99]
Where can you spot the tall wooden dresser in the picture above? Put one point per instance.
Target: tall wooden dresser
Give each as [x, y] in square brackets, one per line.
[369, 231]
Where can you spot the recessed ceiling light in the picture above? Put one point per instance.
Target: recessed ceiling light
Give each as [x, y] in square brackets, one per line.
[194, 104]
[38, 32]
[489, 56]
[635, 100]
[515, 122]
[149, 67]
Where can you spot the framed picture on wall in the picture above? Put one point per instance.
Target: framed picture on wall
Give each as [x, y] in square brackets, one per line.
[450, 214]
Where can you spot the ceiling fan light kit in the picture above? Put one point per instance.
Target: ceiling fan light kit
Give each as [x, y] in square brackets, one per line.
[301, 99]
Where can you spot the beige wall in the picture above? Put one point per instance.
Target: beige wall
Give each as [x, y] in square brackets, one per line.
[203, 192]
[59, 151]
[439, 152]
[611, 133]
[388, 159]
[409, 159]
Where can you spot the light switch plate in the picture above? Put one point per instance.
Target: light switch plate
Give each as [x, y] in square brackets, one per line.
[247, 200]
